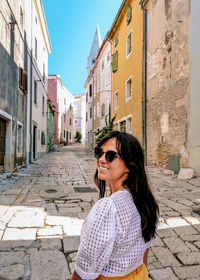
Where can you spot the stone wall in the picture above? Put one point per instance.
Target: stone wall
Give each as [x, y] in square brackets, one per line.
[168, 81]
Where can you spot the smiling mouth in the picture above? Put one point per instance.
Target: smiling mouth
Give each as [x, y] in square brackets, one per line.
[102, 168]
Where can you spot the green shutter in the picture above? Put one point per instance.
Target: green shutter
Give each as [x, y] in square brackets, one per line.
[128, 14]
[115, 61]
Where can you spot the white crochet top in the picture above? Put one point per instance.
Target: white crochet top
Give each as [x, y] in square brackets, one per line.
[111, 238]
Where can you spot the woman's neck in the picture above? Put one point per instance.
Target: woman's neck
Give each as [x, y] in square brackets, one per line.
[115, 188]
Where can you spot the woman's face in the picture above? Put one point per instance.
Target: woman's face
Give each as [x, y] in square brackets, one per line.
[115, 172]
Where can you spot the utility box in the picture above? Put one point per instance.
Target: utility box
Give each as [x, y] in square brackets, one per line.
[174, 163]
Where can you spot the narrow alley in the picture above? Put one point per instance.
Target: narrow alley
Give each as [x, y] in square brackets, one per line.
[43, 206]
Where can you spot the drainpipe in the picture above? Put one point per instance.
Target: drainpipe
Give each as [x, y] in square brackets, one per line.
[92, 110]
[110, 110]
[144, 101]
[31, 87]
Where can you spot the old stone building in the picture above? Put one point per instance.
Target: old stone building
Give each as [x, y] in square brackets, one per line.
[13, 85]
[170, 87]
[24, 49]
[63, 101]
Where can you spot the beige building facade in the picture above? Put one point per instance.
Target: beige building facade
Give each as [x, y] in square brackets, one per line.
[171, 84]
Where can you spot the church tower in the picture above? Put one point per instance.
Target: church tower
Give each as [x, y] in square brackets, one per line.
[94, 50]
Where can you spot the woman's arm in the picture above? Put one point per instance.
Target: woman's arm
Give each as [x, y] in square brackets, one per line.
[75, 276]
[145, 256]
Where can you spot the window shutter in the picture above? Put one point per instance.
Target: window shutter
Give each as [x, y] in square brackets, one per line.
[20, 78]
[25, 80]
[115, 61]
[128, 14]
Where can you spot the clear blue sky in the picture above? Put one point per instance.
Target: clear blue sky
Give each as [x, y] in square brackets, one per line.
[72, 26]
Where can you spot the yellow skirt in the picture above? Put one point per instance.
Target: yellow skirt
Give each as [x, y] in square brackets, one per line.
[139, 273]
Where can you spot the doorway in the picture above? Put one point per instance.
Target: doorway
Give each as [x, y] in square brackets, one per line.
[2, 143]
[34, 141]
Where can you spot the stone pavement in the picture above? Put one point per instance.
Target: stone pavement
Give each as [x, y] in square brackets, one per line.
[43, 206]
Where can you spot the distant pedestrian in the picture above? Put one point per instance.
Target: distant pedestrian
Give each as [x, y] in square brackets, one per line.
[119, 229]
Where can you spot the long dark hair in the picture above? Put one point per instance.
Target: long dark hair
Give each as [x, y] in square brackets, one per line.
[131, 153]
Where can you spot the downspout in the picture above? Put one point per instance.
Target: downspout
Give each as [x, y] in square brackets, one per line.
[110, 107]
[92, 110]
[144, 101]
[31, 86]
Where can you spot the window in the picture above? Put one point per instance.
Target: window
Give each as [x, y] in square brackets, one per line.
[86, 116]
[23, 80]
[129, 44]
[93, 61]
[43, 73]
[70, 107]
[103, 110]
[90, 90]
[128, 88]
[64, 118]
[102, 66]
[116, 39]
[115, 61]
[64, 133]
[64, 101]
[123, 126]
[116, 126]
[70, 135]
[19, 138]
[42, 105]
[20, 78]
[98, 110]
[90, 112]
[35, 93]
[70, 121]
[116, 100]
[35, 49]
[42, 138]
[128, 14]
[128, 124]
[87, 97]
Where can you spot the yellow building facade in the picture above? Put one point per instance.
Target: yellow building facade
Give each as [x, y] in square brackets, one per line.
[126, 34]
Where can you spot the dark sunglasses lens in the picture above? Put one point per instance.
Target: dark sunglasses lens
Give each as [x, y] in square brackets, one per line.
[110, 156]
[98, 152]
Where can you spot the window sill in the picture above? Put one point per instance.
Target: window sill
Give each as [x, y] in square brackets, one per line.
[127, 99]
[127, 56]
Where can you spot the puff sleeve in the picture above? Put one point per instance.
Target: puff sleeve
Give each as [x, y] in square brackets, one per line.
[97, 239]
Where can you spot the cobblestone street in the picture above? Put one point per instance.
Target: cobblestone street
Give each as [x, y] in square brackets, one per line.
[42, 209]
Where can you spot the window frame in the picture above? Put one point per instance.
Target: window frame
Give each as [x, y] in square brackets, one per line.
[127, 98]
[127, 120]
[43, 105]
[131, 44]
[19, 138]
[116, 93]
[35, 92]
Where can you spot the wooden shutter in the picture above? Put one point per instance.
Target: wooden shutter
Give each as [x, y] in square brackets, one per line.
[128, 14]
[20, 78]
[115, 61]
[25, 82]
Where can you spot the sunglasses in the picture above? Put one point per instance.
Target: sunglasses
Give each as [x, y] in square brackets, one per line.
[109, 155]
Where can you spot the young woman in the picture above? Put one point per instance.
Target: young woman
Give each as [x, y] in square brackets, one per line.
[118, 231]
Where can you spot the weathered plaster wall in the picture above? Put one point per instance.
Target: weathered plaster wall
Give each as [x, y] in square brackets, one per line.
[168, 81]
[12, 100]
